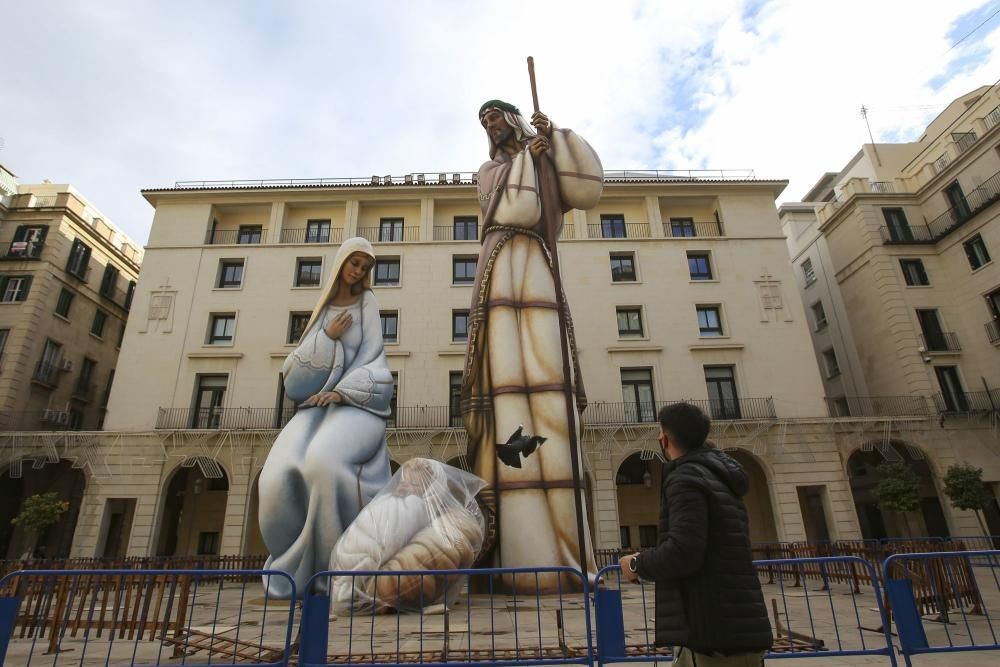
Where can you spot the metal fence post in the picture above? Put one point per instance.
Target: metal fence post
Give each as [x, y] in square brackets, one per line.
[8, 615]
[609, 622]
[314, 629]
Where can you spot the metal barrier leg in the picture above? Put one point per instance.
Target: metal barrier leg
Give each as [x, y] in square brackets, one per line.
[610, 624]
[314, 630]
[909, 625]
[8, 615]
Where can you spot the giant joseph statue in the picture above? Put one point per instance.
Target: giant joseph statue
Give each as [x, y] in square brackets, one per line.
[521, 364]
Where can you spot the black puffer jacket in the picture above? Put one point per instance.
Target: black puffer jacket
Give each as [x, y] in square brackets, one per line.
[708, 597]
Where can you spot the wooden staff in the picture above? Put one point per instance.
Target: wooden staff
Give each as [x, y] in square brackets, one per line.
[571, 413]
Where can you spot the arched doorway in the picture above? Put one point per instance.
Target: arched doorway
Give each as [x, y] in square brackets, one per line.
[194, 509]
[638, 480]
[25, 480]
[876, 523]
[760, 512]
[253, 540]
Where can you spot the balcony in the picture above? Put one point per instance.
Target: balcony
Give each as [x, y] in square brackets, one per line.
[969, 402]
[878, 406]
[982, 197]
[34, 420]
[628, 230]
[84, 391]
[421, 416]
[46, 374]
[692, 229]
[447, 233]
[389, 235]
[993, 117]
[993, 331]
[304, 235]
[640, 412]
[424, 416]
[942, 341]
[881, 187]
[235, 237]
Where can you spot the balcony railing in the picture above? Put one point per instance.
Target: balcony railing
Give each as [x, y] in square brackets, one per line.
[993, 117]
[84, 391]
[993, 331]
[631, 230]
[447, 233]
[983, 196]
[878, 406]
[223, 418]
[34, 420]
[881, 187]
[646, 412]
[46, 373]
[235, 237]
[943, 341]
[692, 229]
[568, 231]
[969, 401]
[965, 141]
[304, 235]
[424, 416]
[386, 235]
[907, 234]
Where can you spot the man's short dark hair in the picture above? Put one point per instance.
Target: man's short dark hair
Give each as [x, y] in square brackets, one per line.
[687, 425]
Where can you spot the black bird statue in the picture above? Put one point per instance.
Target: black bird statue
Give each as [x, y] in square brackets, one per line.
[516, 445]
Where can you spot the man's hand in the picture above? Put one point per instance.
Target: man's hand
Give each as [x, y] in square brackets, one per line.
[538, 145]
[625, 564]
[542, 124]
[336, 327]
[322, 399]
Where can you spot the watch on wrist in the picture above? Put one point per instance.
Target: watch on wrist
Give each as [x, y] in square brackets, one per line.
[633, 563]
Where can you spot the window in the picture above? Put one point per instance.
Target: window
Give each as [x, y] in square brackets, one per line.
[318, 231]
[210, 390]
[459, 325]
[86, 371]
[463, 269]
[390, 326]
[75, 419]
[64, 302]
[952, 392]
[308, 272]
[121, 336]
[466, 228]
[387, 272]
[390, 229]
[221, 329]
[819, 315]
[296, 327]
[935, 339]
[208, 544]
[895, 221]
[913, 272]
[808, 272]
[956, 198]
[109, 281]
[623, 267]
[394, 400]
[830, 361]
[976, 252]
[637, 392]
[14, 288]
[48, 369]
[613, 226]
[97, 327]
[709, 321]
[4, 334]
[682, 227]
[629, 321]
[249, 234]
[79, 258]
[699, 266]
[647, 537]
[230, 273]
[455, 398]
[28, 241]
[723, 400]
[129, 294]
[625, 537]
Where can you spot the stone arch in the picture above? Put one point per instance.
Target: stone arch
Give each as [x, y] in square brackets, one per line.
[862, 465]
[18, 483]
[760, 509]
[193, 509]
[637, 481]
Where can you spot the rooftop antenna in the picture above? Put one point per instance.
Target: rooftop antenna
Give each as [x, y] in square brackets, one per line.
[864, 114]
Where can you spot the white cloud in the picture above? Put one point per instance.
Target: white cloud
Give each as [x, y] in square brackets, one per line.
[117, 96]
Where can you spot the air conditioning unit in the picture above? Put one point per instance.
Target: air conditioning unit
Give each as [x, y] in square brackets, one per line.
[55, 416]
[67, 365]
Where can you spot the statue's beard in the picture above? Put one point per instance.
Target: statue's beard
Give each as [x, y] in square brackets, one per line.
[501, 137]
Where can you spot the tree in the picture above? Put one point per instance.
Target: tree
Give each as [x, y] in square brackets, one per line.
[898, 489]
[38, 513]
[963, 484]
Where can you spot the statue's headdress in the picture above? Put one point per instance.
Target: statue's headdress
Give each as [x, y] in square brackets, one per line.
[522, 130]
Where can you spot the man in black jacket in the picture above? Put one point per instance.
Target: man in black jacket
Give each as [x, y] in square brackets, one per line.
[709, 605]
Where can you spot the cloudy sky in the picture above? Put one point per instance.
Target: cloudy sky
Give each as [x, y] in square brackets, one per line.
[117, 96]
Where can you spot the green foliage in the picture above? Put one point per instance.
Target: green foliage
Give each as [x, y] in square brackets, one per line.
[898, 488]
[40, 511]
[963, 484]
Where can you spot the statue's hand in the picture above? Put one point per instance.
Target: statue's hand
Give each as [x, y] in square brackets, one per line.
[336, 327]
[542, 124]
[538, 145]
[322, 399]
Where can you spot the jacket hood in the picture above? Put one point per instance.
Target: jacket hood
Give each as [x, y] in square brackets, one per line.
[723, 466]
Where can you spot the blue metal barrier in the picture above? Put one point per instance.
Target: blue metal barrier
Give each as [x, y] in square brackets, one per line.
[929, 592]
[486, 617]
[148, 617]
[625, 632]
